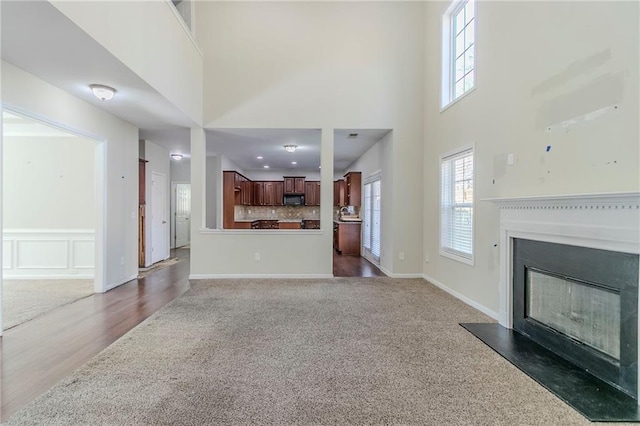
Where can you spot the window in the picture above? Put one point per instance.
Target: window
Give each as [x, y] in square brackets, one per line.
[456, 205]
[458, 50]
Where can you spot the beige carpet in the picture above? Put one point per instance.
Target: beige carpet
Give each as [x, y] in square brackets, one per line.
[23, 300]
[338, 351]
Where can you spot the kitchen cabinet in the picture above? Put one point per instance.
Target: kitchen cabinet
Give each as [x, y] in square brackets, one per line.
[289, 225]
[242, 225]
[265, 224]
[346, 238]
[310, 224]
[353, 188]
[312, 193]
[294, 184]
[267, 193]
[339, 195]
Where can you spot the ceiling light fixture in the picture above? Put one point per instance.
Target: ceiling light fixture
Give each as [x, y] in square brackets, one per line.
[102, 92]
[176, 156]
[290, 148]
[265, 166]
[259, 157]
[294, 162]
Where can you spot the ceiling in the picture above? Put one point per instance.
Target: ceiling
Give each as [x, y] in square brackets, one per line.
[243, 146]
[39, 39]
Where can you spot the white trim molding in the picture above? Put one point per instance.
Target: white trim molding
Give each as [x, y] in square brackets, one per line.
[462, 297]
[601, 221]
[48, 253]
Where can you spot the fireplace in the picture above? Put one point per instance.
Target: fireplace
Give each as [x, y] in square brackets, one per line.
[568, 296]
[582, 304]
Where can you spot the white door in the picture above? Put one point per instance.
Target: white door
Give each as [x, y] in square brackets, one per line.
[159, 240]
[183, 213]
[371, 220]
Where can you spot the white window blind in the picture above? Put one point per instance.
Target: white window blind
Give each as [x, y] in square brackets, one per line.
[456, 205]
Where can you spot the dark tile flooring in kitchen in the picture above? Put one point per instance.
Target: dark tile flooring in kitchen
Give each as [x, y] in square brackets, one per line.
[354, 266]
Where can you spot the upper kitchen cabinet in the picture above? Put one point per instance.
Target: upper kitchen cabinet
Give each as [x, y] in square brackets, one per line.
[353, 188]
[294, 184]
[312, 193]
[267, 193]
[339, 195]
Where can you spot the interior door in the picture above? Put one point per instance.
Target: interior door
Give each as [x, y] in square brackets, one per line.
[159, 241]
[183, 214]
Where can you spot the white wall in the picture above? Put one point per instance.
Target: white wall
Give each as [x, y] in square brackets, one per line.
[148, 37]
[180, 170]
[158, 162]
[276, 65]
[538, 64]
[24, 92]
[48, 182]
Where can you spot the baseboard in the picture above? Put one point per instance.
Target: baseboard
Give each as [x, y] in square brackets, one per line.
[49, 277]
[392, 275]
[460, 296]
[257, 276]
[118, 284]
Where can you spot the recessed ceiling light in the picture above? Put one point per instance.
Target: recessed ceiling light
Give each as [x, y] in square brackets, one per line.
[259, 157]
[294, 162]
[265, 166]
[352, 135]
[319, 167]
[290, 148]
[176, 156]
[102, 92]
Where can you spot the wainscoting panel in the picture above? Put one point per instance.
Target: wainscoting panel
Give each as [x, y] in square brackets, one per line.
[48, 253]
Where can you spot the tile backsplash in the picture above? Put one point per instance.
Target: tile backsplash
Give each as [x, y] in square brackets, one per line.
[276, 212]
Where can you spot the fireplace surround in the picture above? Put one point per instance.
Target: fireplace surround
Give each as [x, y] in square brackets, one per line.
[532, 299]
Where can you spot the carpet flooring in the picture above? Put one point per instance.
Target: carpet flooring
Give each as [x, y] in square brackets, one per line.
[24, 300]
[336, 351]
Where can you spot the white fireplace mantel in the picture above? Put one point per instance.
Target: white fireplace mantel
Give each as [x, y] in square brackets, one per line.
[602, 221]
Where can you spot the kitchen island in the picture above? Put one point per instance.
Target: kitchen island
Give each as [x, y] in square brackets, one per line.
[346, 237]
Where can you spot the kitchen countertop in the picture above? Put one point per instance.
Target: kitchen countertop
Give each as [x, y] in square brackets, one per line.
[277, 220]
[342, 222]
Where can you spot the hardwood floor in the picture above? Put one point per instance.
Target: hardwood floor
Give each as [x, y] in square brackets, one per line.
[354, 266]
[37, 354]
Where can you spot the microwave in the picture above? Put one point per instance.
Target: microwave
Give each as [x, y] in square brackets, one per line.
[294, 200]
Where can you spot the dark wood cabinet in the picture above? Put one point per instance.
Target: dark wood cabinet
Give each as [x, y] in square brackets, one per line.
[294, 184]
[346, 238]
[267, 193]
[339, 196]
[278, 193]
[312, 193]
[353, 188]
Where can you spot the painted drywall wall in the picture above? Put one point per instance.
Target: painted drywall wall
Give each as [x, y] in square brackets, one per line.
[148, 37]
[158, 162]
[24, 92]
[275, 65]
[48, 182]
[539, 65]
[180, 170]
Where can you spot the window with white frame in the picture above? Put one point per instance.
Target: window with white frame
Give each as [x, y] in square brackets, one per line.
[456, 205]
[458, 50]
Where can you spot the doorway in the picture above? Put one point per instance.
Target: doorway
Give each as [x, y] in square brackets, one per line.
[52, 221]
[182, 214]
[158, 217]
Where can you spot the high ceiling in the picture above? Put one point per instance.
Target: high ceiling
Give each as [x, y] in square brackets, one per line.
[244, 146]
[39, 39]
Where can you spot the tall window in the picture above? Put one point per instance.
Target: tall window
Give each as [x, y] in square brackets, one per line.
[456, 205]
[371, 219]
[458, 50]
